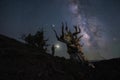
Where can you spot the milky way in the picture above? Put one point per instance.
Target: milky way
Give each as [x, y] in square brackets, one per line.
[98, 19]
[90, 25]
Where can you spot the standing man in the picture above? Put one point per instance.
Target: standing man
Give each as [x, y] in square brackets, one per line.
[53, 49]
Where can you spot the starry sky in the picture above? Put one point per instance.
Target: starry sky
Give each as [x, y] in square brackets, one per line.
[98, 19]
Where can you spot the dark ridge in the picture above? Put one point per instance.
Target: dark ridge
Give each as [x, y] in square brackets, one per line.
[19, 61]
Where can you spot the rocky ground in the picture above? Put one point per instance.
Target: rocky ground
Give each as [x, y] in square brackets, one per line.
[19, 61]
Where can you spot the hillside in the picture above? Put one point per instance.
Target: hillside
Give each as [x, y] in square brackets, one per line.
[19, 61]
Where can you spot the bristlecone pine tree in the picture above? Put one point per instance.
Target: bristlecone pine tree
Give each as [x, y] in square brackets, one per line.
[36, 40]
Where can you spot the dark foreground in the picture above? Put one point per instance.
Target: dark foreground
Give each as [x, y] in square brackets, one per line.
[19, 61]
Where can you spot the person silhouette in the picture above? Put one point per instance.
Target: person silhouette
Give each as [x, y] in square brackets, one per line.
[53, 50]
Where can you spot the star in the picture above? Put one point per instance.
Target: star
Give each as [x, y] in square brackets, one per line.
[57, 46]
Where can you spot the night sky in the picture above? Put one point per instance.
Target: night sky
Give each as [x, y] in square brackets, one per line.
[98, 19]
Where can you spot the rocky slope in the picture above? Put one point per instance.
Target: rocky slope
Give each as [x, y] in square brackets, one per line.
[19, 61]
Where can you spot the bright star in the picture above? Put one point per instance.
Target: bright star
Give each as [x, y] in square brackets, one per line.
[53, 25]
[57, 46]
